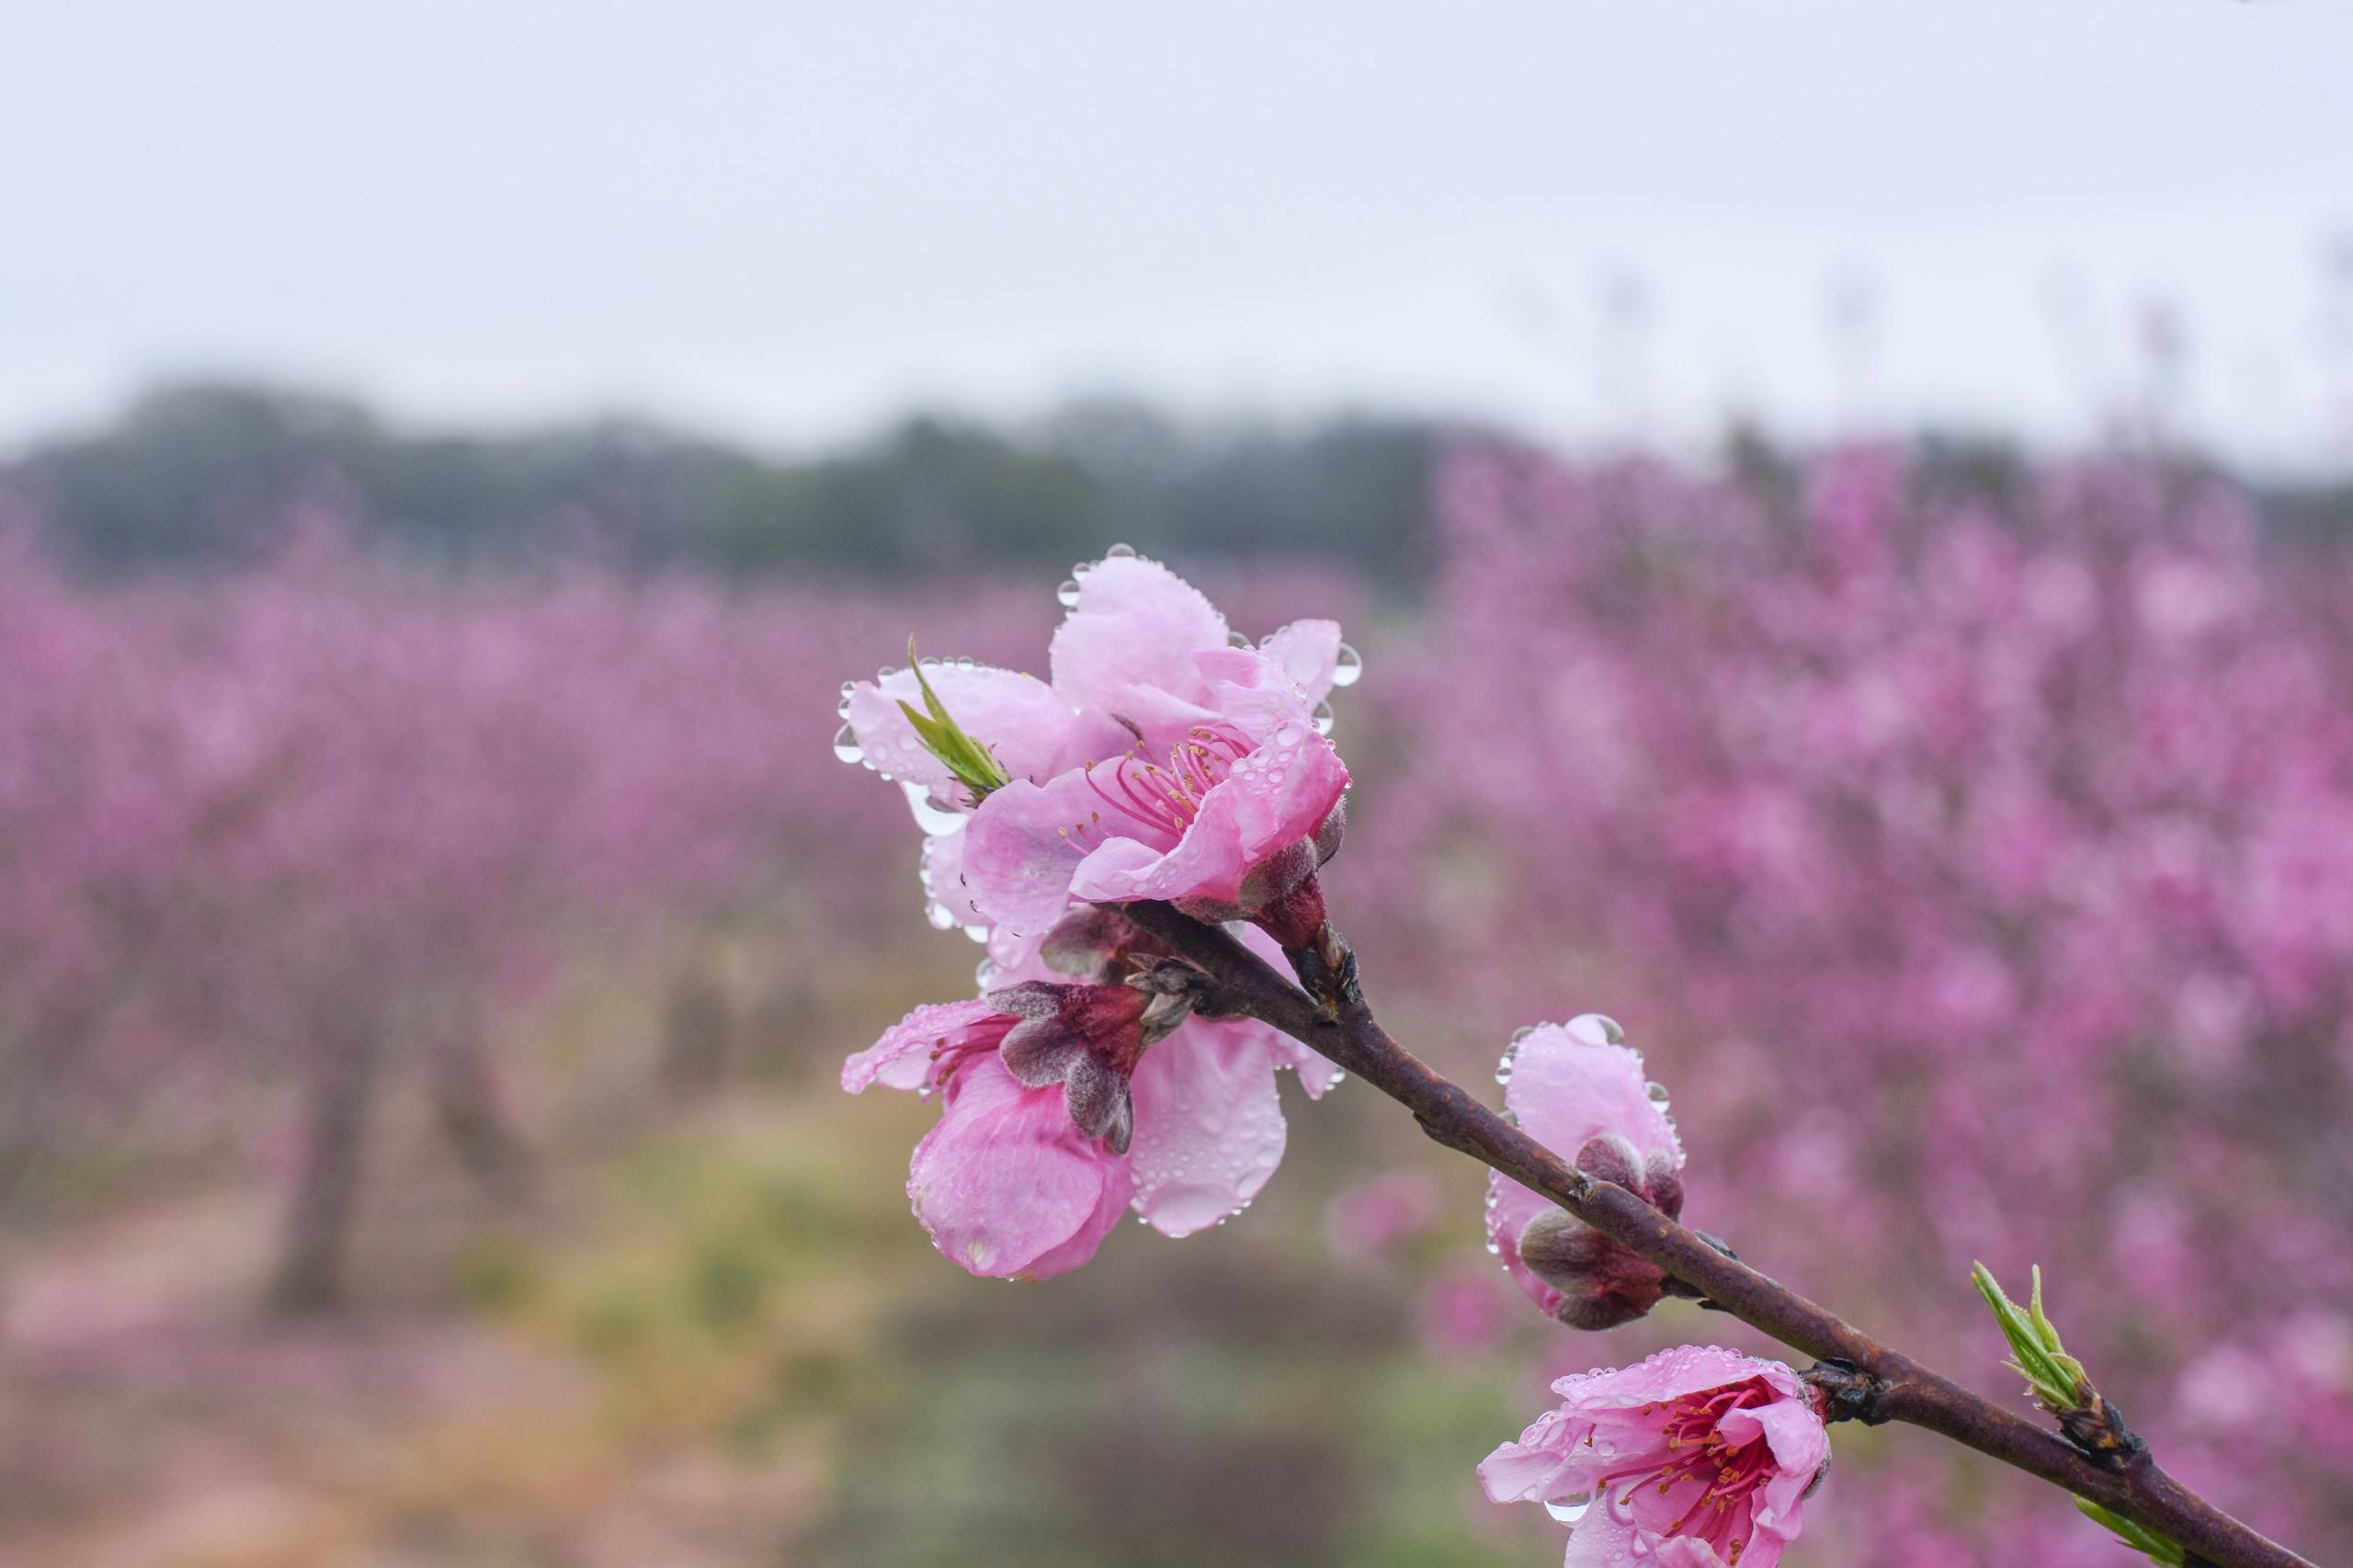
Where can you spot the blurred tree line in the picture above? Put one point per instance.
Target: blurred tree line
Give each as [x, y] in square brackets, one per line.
[212, 474]
[209, 475]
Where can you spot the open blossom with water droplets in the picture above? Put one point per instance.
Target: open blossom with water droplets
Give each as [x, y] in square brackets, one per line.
[1696, 1458]
[1161, 762]
[1115, 1097]
[1005, 1184]
[1578, 1089]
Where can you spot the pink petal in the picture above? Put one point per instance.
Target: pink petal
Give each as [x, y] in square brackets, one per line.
[1208, 1127]
[1601, 1540]
[902, 1058]
[1005, 1184]
[1119, 1191]
[1667, 1375]
[1288, 786]
[1275, 797]
[1570, 1084]
[941, 871]
[1530, 1470]
[1165, 720]
[1017, 717]
[1020, 852]
[1307, 651]
[1208, 862]
[1800, 1446]
[1136, 623]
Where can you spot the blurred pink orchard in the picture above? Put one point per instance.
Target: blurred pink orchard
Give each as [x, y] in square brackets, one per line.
[1979, 836]
[1578, 1089]
[1082, 1083]
[1696, 1458]
[1373, 1216]
[309, 824]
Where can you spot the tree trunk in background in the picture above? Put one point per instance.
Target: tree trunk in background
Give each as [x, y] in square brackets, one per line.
[327, 1191]
[697, 1021]
[470, 1111]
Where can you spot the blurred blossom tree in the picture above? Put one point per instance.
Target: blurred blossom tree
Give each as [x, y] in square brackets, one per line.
[321, 817]
[1984, 836]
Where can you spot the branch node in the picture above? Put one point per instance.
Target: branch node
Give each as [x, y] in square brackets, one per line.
[1847, 1392]
[2097, 1430]
[1326, 967]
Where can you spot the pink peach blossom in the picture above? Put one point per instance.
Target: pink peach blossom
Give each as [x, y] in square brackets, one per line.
[1161, 762]
[1005, 1184]
[1063, 1104]
[1578, 1089]
[1697, 1456]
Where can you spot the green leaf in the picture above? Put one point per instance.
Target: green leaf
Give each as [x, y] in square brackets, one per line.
[972, 764]
[2140, 1537]
[2078, 1380]
[2055, 1378]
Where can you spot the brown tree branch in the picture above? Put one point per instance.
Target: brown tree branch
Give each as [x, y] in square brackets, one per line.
[1894, 1387]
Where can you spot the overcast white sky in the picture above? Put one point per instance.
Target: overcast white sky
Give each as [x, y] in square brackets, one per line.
[789, 221]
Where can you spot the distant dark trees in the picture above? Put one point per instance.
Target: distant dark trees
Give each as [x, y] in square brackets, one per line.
[206, 475]
[212, 475]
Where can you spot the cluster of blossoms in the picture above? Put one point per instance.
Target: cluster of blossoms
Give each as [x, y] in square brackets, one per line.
[1166, 759]
[1696, 1458]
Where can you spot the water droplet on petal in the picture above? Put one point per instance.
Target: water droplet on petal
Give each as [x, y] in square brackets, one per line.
[1657, 1092]
[1068, 593]
[1323, 718]
[985, 973]
[935, 820]
[1347, 667]
[940, 917]
[1235, 640]
[1569, 1510]
[1120, 552]
[846, 746]
[1599, 1029]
